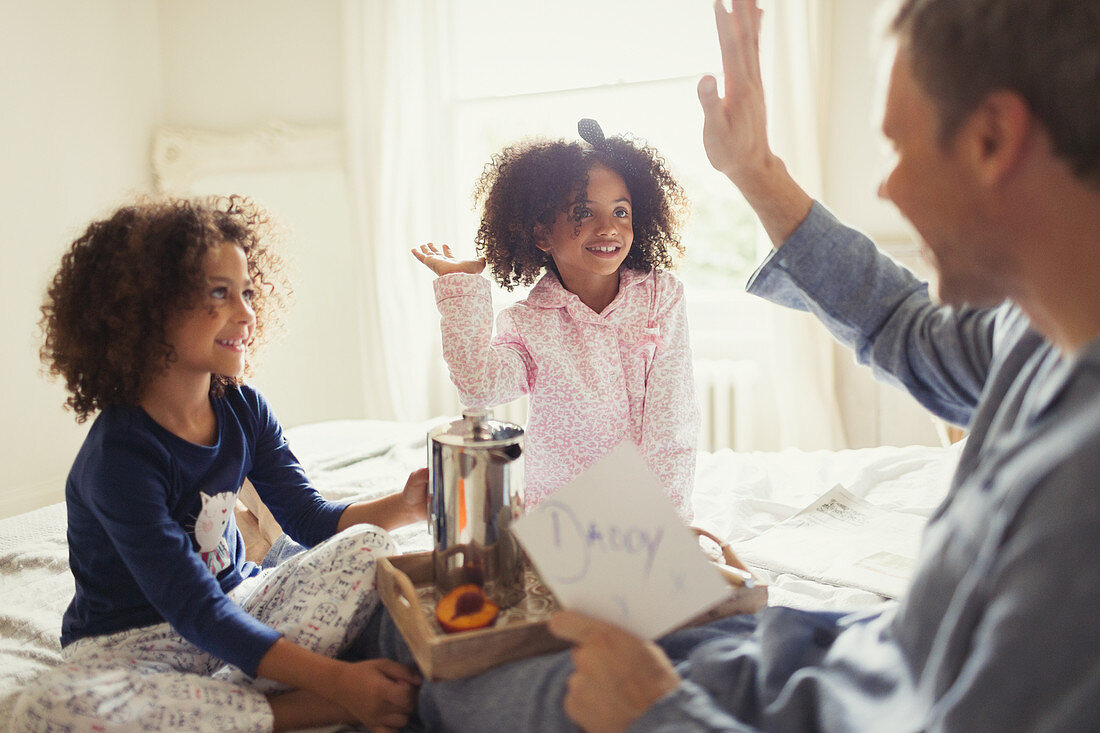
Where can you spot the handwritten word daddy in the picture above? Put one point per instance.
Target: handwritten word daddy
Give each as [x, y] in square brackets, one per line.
[578, 540]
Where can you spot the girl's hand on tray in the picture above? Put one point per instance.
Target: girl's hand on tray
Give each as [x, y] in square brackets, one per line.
[415, 493]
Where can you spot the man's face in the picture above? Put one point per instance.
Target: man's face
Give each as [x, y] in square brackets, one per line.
[933, 185]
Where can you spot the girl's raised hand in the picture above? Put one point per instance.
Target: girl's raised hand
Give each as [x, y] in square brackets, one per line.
[442, 262]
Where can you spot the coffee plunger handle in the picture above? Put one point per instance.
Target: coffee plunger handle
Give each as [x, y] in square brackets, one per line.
[478, 423]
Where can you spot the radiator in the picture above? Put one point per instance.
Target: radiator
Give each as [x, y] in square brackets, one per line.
[726, 390]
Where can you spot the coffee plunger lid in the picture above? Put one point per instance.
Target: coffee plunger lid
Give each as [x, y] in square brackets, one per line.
[476, 429]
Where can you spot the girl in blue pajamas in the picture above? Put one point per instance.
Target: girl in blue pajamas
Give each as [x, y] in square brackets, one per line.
[150, 320]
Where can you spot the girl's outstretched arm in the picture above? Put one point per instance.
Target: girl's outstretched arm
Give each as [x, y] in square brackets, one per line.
[485, 374]
[395, 510]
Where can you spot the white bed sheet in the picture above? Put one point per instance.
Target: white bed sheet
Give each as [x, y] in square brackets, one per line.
[737, 496]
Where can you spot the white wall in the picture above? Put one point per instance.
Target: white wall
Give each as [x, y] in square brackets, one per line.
[80, 93]
[235, 67]
[239, 64]
[84, 87]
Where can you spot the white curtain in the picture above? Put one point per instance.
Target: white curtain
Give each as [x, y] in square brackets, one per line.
[398, 153]
[399, 160]
[796, 47]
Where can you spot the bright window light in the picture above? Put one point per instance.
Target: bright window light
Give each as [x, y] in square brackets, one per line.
[519, 70]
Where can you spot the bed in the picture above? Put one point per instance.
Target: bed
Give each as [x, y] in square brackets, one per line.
[860, 511]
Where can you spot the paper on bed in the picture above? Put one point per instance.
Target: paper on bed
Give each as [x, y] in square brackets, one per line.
[610, 544]
[843, 540]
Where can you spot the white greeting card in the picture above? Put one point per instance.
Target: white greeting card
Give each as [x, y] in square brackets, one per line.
[609, 544]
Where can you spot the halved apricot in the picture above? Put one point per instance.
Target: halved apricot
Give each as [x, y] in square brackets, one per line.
[464, 608]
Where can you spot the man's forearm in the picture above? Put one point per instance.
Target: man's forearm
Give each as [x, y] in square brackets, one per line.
[779, 202]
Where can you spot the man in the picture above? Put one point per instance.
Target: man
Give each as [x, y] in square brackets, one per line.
[992, 111]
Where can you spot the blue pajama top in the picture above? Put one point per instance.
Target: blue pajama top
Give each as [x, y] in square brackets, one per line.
[151, 531]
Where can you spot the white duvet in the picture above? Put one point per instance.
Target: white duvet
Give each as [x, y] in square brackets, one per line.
[738, 496]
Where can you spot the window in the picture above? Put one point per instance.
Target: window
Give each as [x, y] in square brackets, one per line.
[517, 72]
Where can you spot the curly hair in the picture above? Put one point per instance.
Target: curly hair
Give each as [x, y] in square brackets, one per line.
[529, 183]
[107, 306]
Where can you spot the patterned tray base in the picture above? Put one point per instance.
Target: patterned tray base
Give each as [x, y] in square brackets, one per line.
[537, 605]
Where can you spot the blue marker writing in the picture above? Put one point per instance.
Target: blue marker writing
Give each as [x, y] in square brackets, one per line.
[577, 540]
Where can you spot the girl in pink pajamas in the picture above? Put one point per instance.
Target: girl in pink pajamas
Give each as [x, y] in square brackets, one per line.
[601, 342]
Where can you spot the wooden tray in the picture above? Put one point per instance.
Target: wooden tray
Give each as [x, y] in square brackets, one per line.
[406, 585]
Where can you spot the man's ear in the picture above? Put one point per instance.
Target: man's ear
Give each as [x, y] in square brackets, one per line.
[999, 131]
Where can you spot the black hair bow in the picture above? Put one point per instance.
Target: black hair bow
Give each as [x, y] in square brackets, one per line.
[591, 132]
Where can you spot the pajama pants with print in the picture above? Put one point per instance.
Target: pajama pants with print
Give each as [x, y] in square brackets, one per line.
[151, 678]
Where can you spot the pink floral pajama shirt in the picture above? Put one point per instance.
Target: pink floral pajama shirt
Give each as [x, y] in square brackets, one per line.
[594, 379]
